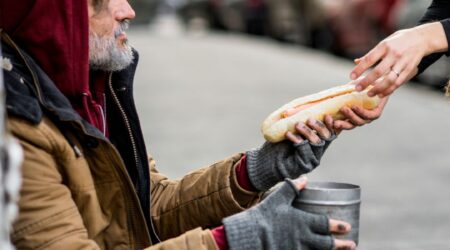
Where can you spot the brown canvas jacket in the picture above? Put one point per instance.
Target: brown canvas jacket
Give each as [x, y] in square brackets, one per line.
[77, 193]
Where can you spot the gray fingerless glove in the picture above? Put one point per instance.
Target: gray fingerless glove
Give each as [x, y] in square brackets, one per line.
[273, 162]
[276, 224]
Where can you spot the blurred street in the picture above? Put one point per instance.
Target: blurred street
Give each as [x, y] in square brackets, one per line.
[203, 96]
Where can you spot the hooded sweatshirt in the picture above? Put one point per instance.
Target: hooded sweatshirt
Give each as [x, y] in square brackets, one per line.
[56, 34]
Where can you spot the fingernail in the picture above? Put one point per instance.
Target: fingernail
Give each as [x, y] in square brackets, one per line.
[342, 227]
[359, 88]
[320, 123]
[353, 76]
[381, 95]
[370, 94]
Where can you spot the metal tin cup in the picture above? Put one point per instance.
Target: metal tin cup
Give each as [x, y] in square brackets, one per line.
[340, 201]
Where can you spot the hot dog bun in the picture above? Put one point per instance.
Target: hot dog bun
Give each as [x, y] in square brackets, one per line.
[330, 101]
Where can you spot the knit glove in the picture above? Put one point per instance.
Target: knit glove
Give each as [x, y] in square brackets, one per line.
[274, 162]
[276, 224]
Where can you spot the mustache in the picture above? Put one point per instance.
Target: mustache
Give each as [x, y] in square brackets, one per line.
[123, 26]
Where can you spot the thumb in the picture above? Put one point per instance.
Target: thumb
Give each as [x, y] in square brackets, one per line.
[300, 182]
[288, 191]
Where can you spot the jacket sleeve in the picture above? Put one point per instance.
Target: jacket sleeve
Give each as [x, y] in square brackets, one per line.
[439, 10]
[200, 199]
[48, 217]
[196, 239]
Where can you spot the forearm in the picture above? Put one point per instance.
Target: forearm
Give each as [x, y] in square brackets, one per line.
[435, 37]
[439, 10]
[196, 239]
[200, 199]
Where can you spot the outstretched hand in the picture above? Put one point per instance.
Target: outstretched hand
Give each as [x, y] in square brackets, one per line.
[276, 224]
[396, 58]
[300, 154]
[314, 131]
[336, 227]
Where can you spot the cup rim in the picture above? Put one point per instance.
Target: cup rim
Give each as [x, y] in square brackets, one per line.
[331, 185]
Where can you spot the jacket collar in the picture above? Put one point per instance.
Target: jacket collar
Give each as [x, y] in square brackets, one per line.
[31, 93]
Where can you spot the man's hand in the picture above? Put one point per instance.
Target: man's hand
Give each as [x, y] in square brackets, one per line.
[276, 224]
[357, 116]
[300, 154]
[313, 131]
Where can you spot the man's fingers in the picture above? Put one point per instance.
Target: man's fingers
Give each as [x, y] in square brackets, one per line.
[300, 182]
[296, 139]
[320, 127]
[339, 227]
[370, 114]
[365, 113]
[343, 125]
[352, 117]
[329, 122]
[313, 132]
[307, 133]
[367, 61]
[344, 245]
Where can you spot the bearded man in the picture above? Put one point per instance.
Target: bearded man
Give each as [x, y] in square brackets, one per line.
[87, 180]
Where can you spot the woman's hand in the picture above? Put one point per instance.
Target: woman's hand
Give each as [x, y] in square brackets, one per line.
[397, 58]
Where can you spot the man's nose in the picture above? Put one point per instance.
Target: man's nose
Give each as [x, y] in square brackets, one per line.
[125, 11]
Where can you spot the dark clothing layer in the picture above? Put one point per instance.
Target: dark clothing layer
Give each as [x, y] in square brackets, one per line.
[439, 10]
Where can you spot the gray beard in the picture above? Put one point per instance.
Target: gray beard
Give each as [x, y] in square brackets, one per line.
[105, 53]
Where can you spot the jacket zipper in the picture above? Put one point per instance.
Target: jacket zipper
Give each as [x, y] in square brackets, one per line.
[133, 142]
[125, 117]
[135, 153]
[130, 204]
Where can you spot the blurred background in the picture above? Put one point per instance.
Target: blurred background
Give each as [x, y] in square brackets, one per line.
[211, 70]
[346, 28]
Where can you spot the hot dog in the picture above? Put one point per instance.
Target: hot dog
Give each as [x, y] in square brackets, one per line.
[327, 102]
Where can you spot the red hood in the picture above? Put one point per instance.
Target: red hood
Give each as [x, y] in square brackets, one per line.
[56, 34]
